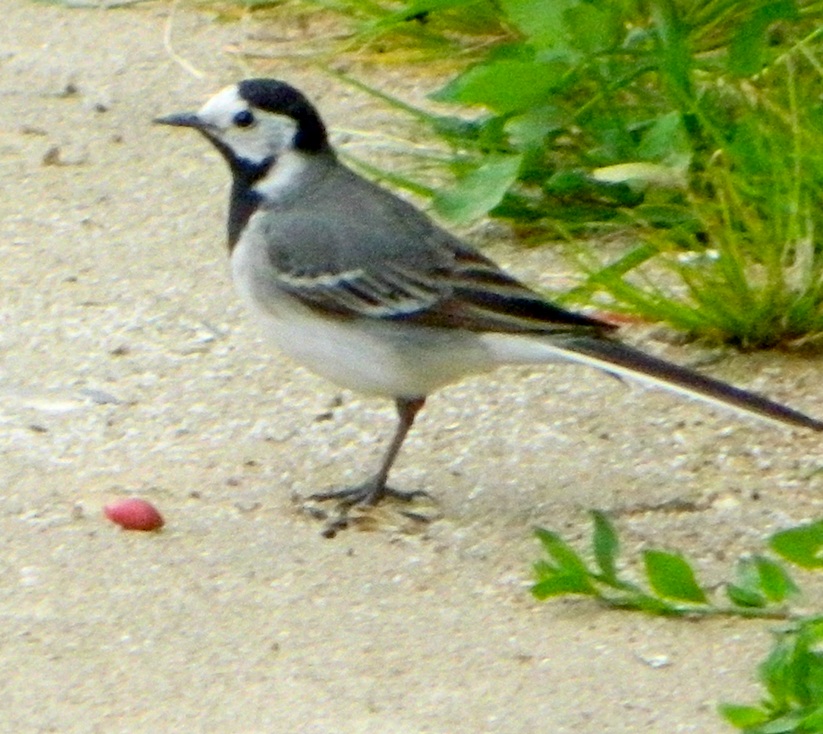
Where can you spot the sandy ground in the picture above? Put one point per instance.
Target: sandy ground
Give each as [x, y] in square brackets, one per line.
[128, 367]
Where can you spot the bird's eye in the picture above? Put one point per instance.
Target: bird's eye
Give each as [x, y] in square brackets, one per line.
[244, 118]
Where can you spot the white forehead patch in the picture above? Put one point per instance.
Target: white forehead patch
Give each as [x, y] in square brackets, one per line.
[220, 110]
[268, 137]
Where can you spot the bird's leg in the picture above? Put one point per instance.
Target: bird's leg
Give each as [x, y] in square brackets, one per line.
[375, 489]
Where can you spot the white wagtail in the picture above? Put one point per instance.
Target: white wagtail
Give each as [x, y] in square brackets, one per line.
[364, 289]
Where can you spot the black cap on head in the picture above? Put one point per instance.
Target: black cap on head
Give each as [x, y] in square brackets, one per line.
[280, 98]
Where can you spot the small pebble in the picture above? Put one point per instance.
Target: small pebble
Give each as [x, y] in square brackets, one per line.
[134, 514]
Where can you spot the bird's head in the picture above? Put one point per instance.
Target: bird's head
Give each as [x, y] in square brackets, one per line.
[253, 123]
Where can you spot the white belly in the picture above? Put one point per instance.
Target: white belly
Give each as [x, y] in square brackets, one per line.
[366, 355]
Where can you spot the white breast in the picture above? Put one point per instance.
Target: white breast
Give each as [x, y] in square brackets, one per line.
[366, 355]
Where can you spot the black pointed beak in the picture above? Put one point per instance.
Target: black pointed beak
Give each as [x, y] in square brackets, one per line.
[181, 119]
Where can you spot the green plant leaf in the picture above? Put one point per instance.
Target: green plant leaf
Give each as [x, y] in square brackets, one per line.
[748, 45]
[675, 58]
[562, 583]
[479, 191]
[813, 722]
[792, 674]
[590, 28]
[542, 22]
[761, 580]
[775, 671]
[671, 576]
[531, 129]
[567, 575]
[802, 545]
[666, 141]
[505, 85]
[563, 554]
[606, 546]
[743, 717]
[786, 724]
[743, 597]
[775, 581]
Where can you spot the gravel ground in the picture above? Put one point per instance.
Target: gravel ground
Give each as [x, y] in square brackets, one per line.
[128, 367]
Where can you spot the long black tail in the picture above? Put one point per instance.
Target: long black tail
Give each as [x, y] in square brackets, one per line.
[619, 358]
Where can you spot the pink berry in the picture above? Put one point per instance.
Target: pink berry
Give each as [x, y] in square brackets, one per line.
[134, 514]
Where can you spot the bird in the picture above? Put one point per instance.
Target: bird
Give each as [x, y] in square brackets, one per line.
[366, 290]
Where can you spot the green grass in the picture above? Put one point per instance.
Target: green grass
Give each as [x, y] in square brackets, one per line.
[692, 128]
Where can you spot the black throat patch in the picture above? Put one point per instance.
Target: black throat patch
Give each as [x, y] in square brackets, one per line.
[243, 203]
[244, 200]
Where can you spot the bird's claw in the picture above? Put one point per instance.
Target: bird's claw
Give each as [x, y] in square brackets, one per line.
[367, 495]
[357, 506]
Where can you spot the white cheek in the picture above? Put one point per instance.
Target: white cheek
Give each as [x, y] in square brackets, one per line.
[248, 144]
[269, 137]
[277, 131]
[271, 134]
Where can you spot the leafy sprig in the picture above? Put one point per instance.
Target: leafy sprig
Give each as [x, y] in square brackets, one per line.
[762, 586]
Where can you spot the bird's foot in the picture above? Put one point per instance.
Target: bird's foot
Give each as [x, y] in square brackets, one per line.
[367, 494]
[358, 506]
